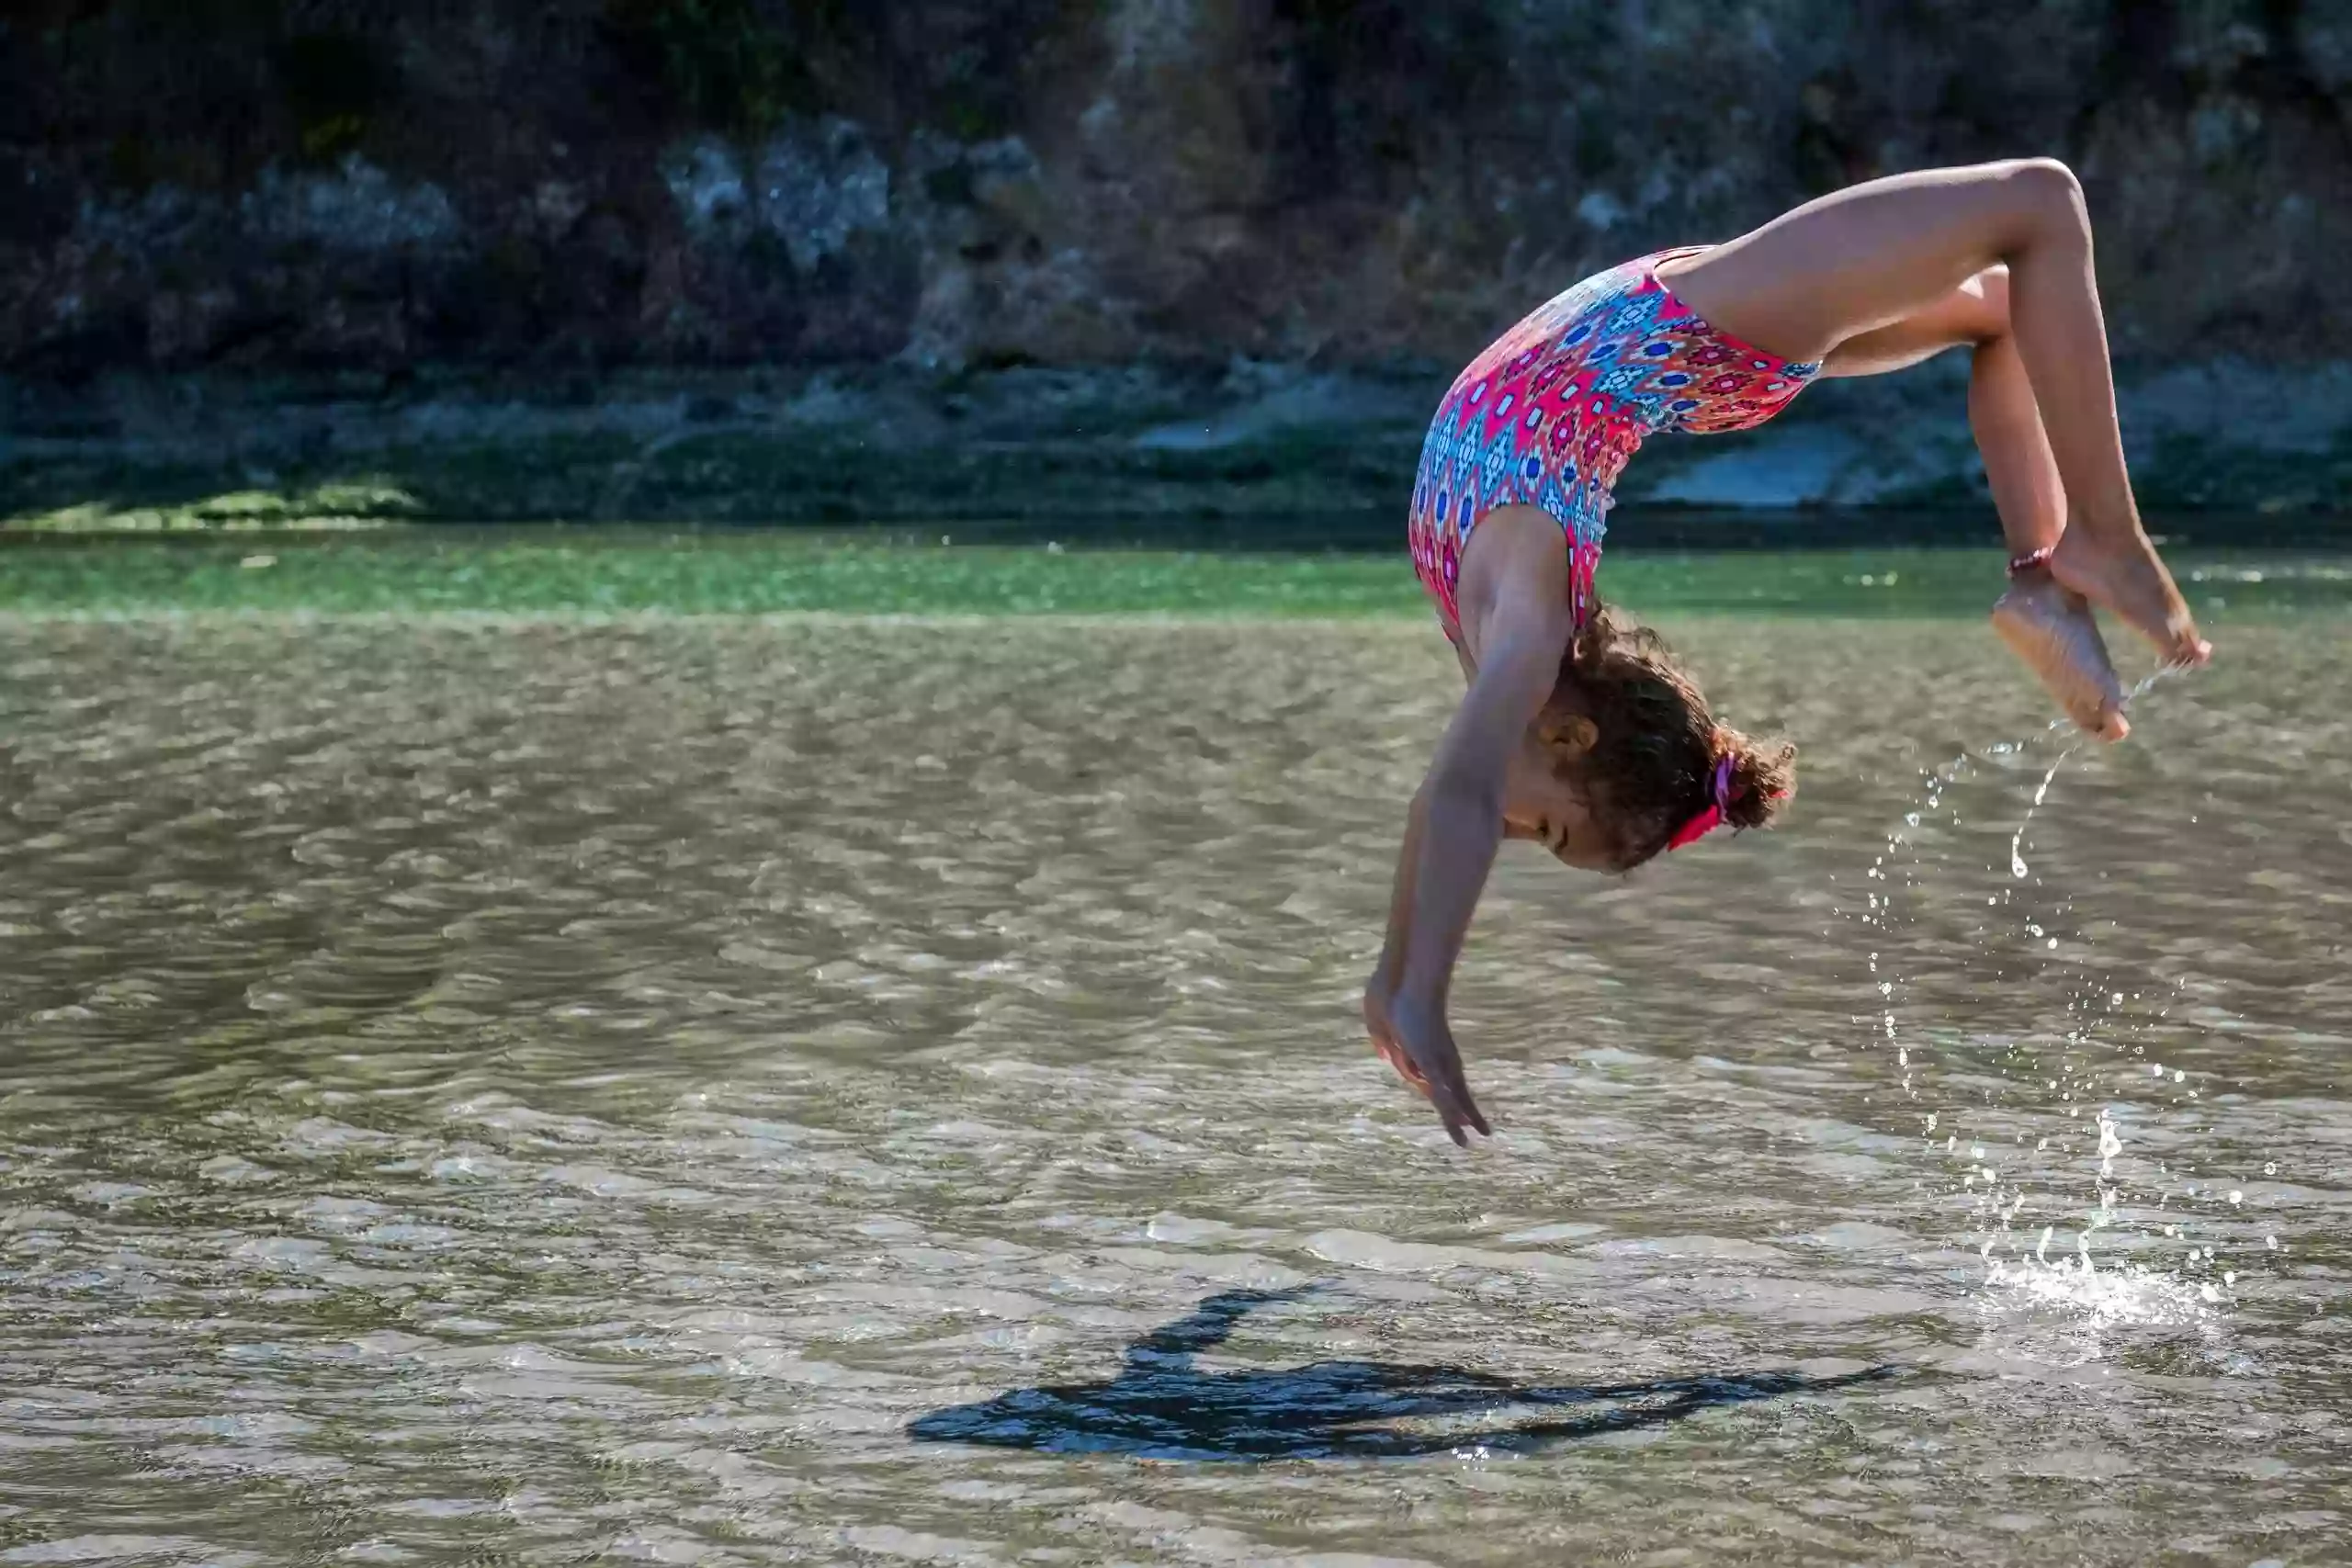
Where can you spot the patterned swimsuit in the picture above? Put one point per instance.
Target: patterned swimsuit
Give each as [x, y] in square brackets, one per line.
[1548, 415]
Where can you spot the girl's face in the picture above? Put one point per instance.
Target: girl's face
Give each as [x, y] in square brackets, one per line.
[1543, 804]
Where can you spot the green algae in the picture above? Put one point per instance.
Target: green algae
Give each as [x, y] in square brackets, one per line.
[558, 571]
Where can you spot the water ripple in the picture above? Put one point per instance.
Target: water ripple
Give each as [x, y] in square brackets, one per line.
[733, 1091]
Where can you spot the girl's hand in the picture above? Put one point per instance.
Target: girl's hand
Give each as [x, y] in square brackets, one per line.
[1416, 1041]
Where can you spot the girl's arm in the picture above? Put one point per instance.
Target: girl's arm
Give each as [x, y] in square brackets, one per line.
[1450, 835]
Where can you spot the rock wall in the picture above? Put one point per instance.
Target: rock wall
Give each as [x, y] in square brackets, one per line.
[376, 185]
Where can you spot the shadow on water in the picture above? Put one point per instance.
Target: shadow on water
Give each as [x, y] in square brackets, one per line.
[1162, 1406]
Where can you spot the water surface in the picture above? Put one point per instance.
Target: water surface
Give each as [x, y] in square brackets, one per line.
[731, 1091]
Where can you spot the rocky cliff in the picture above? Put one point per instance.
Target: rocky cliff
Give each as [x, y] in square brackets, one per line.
[370, 184]
[539, 188]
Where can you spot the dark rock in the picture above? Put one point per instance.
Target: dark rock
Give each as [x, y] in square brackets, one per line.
[998, 192]
[1078, 181]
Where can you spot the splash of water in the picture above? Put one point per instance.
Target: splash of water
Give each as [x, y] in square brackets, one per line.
[1880, 914]
[2017, 840]
[2022, 1285]
[2018, 868]
[2109, 1144]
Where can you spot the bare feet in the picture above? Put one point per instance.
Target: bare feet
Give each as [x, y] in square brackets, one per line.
[2128, 579]
[2052, 630]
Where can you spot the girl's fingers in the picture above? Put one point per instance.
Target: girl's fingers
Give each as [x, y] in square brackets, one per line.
[1393, 1054]
[1466, 1109]
[1457, 1085]
[1460, 1110]
[1448, 1093]
[1477, 1117]
[1449, 1113]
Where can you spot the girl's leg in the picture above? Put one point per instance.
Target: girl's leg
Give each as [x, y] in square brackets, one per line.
[2027, 494]
[1865, 259]
[2049, 627]
[2046, 625]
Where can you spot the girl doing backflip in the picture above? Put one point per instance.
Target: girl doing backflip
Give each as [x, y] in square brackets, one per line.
[1578, 730]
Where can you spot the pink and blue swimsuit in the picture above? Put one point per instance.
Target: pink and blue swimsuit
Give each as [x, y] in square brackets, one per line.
[1549, 414]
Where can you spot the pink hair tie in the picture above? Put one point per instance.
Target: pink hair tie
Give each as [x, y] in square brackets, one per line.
[1710, 819]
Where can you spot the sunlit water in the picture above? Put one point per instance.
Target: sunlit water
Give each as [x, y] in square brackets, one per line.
[722, 1092]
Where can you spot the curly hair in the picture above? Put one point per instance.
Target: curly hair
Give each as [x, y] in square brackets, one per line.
[1651, 765]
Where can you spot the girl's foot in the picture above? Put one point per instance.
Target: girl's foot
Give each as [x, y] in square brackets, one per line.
[2053, 631]
[2130, 581]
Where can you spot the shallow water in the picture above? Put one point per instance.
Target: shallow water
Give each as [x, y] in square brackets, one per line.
[722, 1091]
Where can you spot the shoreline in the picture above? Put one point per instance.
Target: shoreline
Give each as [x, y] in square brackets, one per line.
[582, 574]
[1149, 448]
